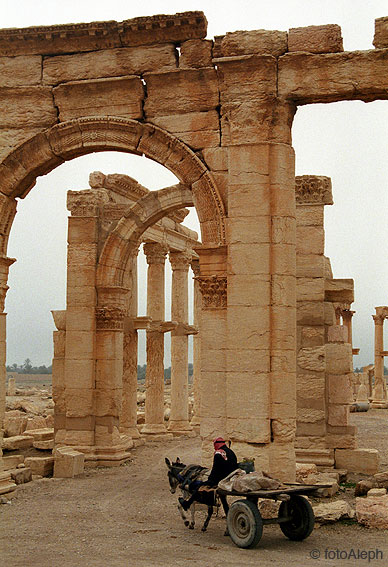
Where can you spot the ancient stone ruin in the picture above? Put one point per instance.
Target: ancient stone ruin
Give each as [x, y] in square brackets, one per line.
[273, 363]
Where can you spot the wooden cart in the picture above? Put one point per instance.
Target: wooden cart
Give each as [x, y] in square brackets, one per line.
[295, 517]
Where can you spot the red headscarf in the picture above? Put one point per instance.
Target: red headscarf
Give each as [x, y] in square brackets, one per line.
[218, 443]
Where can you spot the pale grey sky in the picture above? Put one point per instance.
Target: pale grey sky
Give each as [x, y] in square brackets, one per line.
[346, 141]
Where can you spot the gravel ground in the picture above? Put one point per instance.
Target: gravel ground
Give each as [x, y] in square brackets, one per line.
[127, 517]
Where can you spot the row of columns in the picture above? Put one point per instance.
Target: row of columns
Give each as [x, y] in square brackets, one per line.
[379, 394]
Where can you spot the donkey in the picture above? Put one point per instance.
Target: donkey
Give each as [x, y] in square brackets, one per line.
[181, 476]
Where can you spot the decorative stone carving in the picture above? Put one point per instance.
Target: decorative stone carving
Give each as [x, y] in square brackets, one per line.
[86, 203]
[180, 260]
[155, 252]
[111, 318]
[310, 189]
[214, 291]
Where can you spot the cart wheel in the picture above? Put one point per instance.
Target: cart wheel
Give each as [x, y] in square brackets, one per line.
[302, 518]
[244, 523]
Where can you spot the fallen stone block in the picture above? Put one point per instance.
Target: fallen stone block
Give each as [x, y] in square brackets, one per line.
[46, 445]
[372, 512]
[333, 511]
[324, 478]
[381, 479]
[17, 442]
[6, 483]
[68, 462]
[21, 476]
[376, 492]
[12, 461]
[357, 460]
[303, 470]
[14, 425]
[40, 465]
[364, 486]
[36, 422]
[42, 434]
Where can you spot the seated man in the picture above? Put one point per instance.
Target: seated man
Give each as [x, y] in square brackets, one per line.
[224, 462]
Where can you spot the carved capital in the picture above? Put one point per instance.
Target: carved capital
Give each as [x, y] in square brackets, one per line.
[214, 291]
[381, 314]
[155, 252]
[110, 318]
[180, 260]
[86, 203]
[313, 190]
[195, 267]
[378, 319]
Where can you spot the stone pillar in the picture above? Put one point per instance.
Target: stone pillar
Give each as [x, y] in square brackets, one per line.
[11, 386]
[58, 375]
[179, 418]
[196, 418]
[128, 418]
[110, 446]
[347, 316]
[379, 396]
[154, 405]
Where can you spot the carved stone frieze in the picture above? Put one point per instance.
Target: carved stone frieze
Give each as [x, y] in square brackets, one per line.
[110, 318]
[155, 252]
[195, 267]
[180, 260]
[313, 190]
[214, 291]
[86, 203]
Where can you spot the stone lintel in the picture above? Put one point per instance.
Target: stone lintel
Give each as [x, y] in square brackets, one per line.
[339, 290]
[72, 38]
[136, 323]
[183, 329]
[313, 190]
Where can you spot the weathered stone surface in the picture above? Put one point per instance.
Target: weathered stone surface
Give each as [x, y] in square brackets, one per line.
[40, 465]
[358, 460]
[17, 442]
[196, 53]
[303, 470]
[333, 511]
[312, 358]
[364, 486]
[21, 476]
[20, 71]
[216, 158]
[12, 461]
[256, 42]
[310, 265]
[120, 96]
[376, 492]
[382, 479]
[308, 415]
[196, 129]
[27, 107]
[44, 445]
[309, 78]
[340, 290]
[321, 457]
[36, 422]
[380, 40]
[316, 39]
[339, 358]
[340, 388]
[310, 289]
[12, 137]
[181, 91]
[14, 425]
[68, 462]
[373, 512]
[247, 78]
[109, 63]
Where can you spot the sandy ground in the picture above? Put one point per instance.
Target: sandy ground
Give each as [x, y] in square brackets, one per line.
[126, 516]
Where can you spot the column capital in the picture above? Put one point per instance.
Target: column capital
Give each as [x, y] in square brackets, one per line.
[313, 190]
[378, 319]
[347, 314]
[180, 260]
[213, 290]
[155, 252]
[86, 203]
[195, 267]
[110, 318]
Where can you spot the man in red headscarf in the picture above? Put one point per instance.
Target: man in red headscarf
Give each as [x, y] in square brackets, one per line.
[224, 462]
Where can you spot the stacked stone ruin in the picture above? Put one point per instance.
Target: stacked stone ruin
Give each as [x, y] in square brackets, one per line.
[275, 366]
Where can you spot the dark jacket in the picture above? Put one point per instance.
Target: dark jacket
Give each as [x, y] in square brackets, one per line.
[224, 462]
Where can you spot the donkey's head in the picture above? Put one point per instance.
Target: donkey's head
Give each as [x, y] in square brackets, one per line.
[173, 471]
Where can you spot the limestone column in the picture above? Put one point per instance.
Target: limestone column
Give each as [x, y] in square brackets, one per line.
[379, 400]
[128, 417]
[179, 418]
[58, 376]
[347, 316]
[154, 405]
[196, 419]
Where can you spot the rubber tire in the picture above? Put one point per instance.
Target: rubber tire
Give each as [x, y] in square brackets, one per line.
[302, 523]
[244, 523]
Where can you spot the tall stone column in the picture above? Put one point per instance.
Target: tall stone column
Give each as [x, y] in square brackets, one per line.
[379, 391]
[154, 405]
[179, 418]
[128, 417]
[196, 418]
[58, 375]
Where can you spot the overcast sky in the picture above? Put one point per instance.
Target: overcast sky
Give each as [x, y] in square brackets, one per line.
[345, 141]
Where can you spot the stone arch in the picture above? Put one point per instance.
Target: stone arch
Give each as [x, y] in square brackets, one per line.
[124, 239]
[47, 150]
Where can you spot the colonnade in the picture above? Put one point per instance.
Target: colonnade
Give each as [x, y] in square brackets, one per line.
[379, 394]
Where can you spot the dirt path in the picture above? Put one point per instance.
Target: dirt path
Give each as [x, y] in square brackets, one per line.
[127, 517]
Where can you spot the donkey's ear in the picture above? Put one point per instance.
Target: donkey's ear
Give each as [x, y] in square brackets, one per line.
[167, 461]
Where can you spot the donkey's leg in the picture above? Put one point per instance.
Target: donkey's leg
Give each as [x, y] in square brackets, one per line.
[209, 515]
[225, 506]
[192, 511]
[183, 514]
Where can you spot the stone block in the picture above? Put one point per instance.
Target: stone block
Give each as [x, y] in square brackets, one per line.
[333, 511]
[338, 415]
[17, 442]
[27, 107]
[44, 445]
[122, 96]
[256, 42]
[310, 387]
[321, 457]
[310, 289]
[340, 388]
[364, 461]
[382, 479]
[303, 470]
[80, 402]
[339, 290]
[249, 230]
[310, 265]
[81, 296]
[309, 215]
[339, 358]
[283, 290]
[248, 360]
[341, 441]
[216, 158]
[283, 361]
[312, 337]
[109, 63]
[40, 465]
[249, 259]
[81, 319]
[79, 345]
[12, 461]
[68, 462]
[310, 240]
[7, 485]
[372, 512]
[245, 200]
[376, 492]
[196, 129]
[310, 313]
[312, 358]
[14, 425]
[20, 71]
[79, 438]
[21, 476]
[249, 327]
[329, 314]
[380, 40]
[316, 39]
[337, 334]
[249, 429]
[196, 53]
[243, 79]
[43, 434]
[181, 91]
